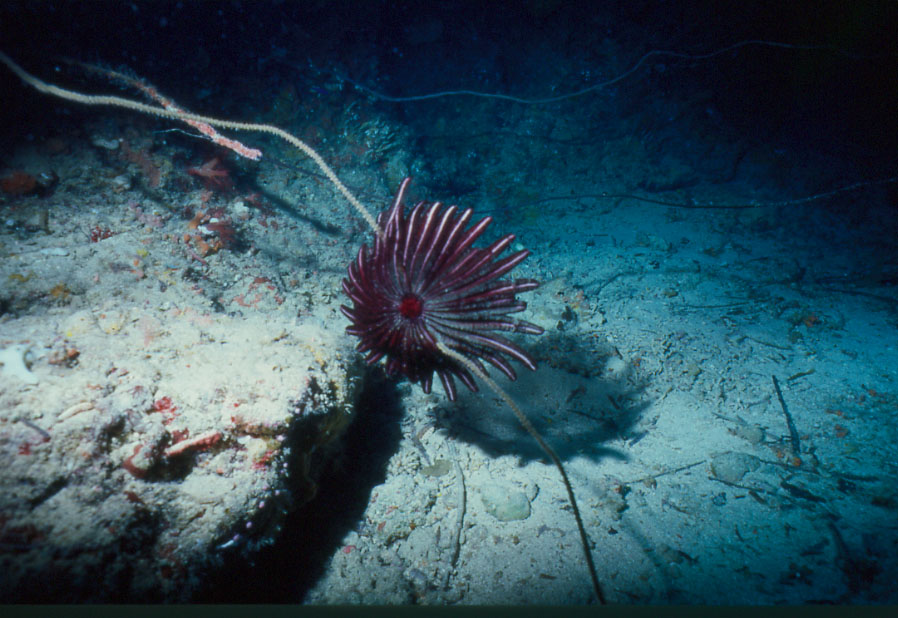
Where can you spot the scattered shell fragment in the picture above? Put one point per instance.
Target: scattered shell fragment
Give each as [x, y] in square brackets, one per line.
[731, 467]
[505, 503]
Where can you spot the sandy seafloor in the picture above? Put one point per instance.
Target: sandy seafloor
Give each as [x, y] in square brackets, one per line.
[685, 276]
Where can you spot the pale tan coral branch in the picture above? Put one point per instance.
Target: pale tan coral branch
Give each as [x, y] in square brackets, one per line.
[176, 113]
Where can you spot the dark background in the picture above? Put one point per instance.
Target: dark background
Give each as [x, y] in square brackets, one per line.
[846, 98]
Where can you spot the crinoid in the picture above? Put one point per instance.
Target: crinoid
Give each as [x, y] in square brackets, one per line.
[425, 300]
[424, 283]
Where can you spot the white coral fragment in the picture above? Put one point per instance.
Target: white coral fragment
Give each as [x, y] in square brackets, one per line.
[12, 362]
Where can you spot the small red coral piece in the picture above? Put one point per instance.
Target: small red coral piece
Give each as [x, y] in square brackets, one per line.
[213, 176]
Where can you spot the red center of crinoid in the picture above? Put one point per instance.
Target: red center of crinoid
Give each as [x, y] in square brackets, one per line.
[410, 307]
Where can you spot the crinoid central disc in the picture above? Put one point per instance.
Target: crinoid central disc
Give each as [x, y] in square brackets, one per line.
[411, 307]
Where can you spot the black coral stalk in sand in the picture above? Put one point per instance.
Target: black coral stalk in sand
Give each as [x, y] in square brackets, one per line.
[424, 283]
